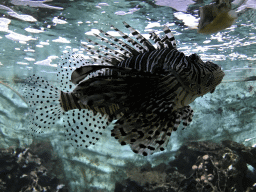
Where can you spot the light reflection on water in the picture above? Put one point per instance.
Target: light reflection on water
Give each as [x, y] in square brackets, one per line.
[71, 29]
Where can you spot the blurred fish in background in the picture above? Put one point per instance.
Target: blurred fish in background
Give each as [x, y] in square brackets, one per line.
[216, 17]
[212, 18]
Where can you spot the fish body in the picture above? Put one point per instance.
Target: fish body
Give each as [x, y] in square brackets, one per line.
[147, 88]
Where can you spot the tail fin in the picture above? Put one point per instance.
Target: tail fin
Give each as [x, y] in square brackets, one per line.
[45, 110]
[82, 127]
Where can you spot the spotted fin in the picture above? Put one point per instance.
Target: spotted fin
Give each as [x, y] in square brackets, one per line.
[82, 127]
[147, 134]
[85, 127]
[68, 63]
[45, 110]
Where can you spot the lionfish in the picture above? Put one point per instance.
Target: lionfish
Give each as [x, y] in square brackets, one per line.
[146, 88]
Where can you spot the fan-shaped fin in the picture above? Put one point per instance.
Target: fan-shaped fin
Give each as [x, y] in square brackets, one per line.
[148, 133]
[94, 103]
[110, 95]
[82, 72]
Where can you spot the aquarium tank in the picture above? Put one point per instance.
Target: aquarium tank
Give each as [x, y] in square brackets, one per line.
[127, 95]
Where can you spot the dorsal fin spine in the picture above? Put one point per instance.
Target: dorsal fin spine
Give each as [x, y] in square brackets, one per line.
[157, 40]
[119, 56]
[124, 51]
[96, 54]
[140, 38]
[140, 48]
[169, 39]
[125, 47]
[105, 55]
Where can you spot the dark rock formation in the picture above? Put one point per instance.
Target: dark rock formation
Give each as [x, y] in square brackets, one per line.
[22, 170]
[199, 166]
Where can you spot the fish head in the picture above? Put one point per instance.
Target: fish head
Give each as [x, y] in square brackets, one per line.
[211, 75]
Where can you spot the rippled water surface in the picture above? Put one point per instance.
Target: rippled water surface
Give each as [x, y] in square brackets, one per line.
[34, 34]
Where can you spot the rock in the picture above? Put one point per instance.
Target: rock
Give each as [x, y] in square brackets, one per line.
[198, 166]
[23, 170]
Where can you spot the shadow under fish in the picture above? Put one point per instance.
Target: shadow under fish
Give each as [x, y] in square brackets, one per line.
[147, 88]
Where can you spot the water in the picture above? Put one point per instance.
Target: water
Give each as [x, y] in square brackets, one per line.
[34, 37]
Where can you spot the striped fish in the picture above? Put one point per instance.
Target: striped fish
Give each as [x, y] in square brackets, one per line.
[147, 88]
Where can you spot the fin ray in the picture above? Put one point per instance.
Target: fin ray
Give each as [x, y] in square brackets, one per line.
[157, 40]
[140, 48]
[169, 40]
[140, 38]
[150, 133]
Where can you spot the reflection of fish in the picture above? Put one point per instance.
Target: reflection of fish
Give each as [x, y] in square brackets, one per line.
[216, 17]
[147, 88]
[13, 91]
